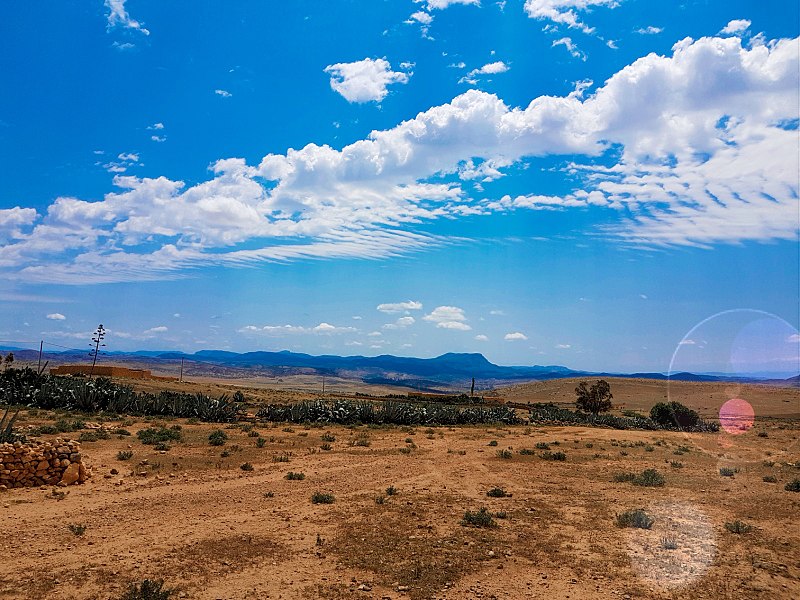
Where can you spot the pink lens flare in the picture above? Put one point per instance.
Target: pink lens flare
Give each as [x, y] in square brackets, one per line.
[736, 416]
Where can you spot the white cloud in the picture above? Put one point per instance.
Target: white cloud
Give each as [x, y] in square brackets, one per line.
[128, 156]
[487, 69]
[56, 317]
[281, 330]
[563, 346]
[223, 93]
[395, 307]
[374, 334]
[364, 80]
[448, 317]
[795, 337]
[158, 329]
[117, 15]
[401, 323]
[156, 126]
[511, 337]
[565, 12]
[649, 30]
[571, 47]
[481, 338]
[695, 140]
[687, 343]
[736, 26]
[442, 4]
[158, 138]
[421, 17]
[497, 313]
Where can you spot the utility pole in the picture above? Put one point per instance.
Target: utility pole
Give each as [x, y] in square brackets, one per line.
[39, 366]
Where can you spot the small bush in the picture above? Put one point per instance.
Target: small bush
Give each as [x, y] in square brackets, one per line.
[668, 542]
[769, 479]
[362, 440]
[322, 498]
[328, 437]
[542, 446]
[45, 430]
[674, 415]
[493, 443]
[217, 437]
[121, 432]
[326, 446]
[153, 435]
[648, 448]
[147, 590]
[260, 442]
[497, 492]
[727, 472]
[559, 456]
[406, 450]
[675, 464]
[380, 500]
[292, 476]
[161, 447]
[391, 490]
[253, 433]
[762, 434]
[793, 486]
[624, 477]
[269, 494]
[246, 466]
[501, 514]
[481, 518]
[635, 518]
[124, 455]
[224, 454]
[526, 452]
[504, 454]
[649, 478]
[280, 458]
[77, 529]
[738, 527]
[94, 435]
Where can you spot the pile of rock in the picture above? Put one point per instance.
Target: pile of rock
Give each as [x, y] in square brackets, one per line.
[57, 462]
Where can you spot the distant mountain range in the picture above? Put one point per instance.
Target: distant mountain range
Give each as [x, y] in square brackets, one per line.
[421, 373]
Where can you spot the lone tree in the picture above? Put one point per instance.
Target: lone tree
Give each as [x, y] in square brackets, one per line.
[595, 399]
[97, 342]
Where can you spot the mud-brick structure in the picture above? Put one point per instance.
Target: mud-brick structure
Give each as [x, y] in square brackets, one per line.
[107, 371]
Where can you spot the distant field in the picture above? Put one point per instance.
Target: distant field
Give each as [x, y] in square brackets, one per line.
[642, 394]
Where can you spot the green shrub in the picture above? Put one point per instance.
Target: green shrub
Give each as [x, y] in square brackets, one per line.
[246, 466]
[558, 456]
[328, 437]
[147, 590]
[124, 454]
[154, 435]
[526, 452]
[77, 529]
[769, 479]
[391, 490]
[497, 492]
[676, 464]
[280, 458]
[675, 415]
[480, 518]
[542, 446]
[727, 472]
[738, 527]
[625, 477]
[493, 443]
[649, 478]
[217, 437]
[260, 442]
[793, 486]
[322, 498]
[292, 476]
[121, 432]
[635, 518]
[762, 434]
[94, 435]
[45, 430]
[505, 454]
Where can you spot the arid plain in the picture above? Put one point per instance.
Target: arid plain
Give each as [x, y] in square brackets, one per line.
[192, 516]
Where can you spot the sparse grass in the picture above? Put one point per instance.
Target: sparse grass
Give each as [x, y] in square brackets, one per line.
[246, 466]
[253, 433]
[362, 440]
[649, 448]
[322, 498]
[542, 446]
[280, 458]
[391, 490]
[153, 435]
[526, 452]
[498, 492]
[635, 518]
[325, 446]
[669, 542]
[261, 442]
[225, 454]
[124, 454]
[501, 514]
[380, 499]
[727, 472]
[292, 476]
[762, 434]
[269, 494]
[506, 454]
[793, 486]
[147, 590]
[217, 437]
[328, 437]
[557, 456]
[675, 464]
[769, 479]
[738, 527]
[77, 529]
[624, 477]
[94, 435]
[480, 518]
[406, 450]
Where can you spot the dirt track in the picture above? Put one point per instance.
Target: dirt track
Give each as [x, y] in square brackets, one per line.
[198, 521]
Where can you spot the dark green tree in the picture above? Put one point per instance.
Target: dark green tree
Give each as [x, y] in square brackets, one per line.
[595, 399]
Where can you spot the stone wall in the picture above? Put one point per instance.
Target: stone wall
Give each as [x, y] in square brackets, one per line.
[57, 462]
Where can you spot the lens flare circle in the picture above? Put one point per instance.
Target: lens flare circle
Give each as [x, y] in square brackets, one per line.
[736, 416]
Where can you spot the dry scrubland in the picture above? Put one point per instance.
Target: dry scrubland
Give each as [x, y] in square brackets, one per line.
[192, 516]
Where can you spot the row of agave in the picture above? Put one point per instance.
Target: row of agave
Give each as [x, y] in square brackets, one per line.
[550, 413]
[29, 388]
[387, 412]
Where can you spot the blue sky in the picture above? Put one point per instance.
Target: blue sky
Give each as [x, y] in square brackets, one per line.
[576, 182]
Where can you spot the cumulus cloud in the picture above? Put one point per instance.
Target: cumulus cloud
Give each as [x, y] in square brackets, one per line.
[364, 80]
[696, 145]
[442, 4]
[649, 30]
[565, 12]
[157, 329]
[736, 26]
[118, 16]
[395, 307]
[56, 317]
[223, 93]
[482, 338]
[448, 317]
[492, 68]
[401, 323]
[515, 336]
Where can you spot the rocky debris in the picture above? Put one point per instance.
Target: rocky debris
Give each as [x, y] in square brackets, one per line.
[37, 463]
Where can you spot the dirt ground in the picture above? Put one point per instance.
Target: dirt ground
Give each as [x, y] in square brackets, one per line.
[209, 529]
